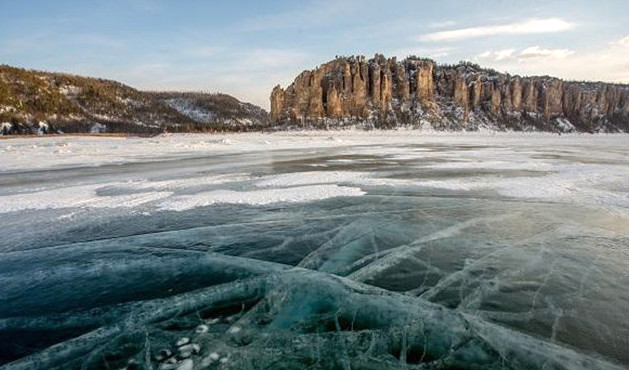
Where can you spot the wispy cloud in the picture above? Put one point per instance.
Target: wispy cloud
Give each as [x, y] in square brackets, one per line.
[537, 52]
[504, 54]
[529, 26]
[621, 42]
[610, 61]
[532, 52]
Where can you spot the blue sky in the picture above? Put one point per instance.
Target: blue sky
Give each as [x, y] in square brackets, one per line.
[246, 47]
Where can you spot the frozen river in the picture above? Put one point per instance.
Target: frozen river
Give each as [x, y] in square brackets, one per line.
[329, 250]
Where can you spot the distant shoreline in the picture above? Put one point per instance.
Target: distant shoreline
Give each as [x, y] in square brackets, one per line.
[323, 132]
[33, 136]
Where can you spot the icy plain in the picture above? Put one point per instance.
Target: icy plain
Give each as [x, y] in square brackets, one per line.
[318, 250]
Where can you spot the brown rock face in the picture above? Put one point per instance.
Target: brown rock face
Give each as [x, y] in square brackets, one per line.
[277, 103]
[516, 93]
[374, 84]
[386, 89]
[530, 96]
[360, 90]
[552, 98]
[425, 82]
[461, 93]
[477, 92]
[334, 106]
[495, 101]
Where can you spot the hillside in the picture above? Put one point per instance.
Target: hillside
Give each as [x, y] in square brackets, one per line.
[43, 102]
[222, 111]
[418, 93]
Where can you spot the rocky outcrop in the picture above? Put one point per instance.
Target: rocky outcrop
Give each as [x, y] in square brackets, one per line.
[382, 92]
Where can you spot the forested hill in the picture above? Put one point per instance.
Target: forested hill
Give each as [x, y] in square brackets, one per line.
[43, 102]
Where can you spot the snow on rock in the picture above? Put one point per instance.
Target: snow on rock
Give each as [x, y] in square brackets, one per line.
[5, 127]
[98, 128]
[187, 108]
[564, 125]
[42, 127]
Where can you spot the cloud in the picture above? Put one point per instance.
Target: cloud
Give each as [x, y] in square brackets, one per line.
[530, 26]
[621, 42]
[531, 52]
[609, 62]
[537, 52]
[504, 54]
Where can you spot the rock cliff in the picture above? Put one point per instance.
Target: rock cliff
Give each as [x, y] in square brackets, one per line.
[386, 93]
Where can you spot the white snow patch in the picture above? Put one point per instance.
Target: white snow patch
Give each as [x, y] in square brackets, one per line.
[83, 196]
[93, 151]
[187, 108]
[185, 183]
[259, 197]
[564, 125]
[570, 183]
[309, 178]
[214, 356]
[514, 164]
[5, 126]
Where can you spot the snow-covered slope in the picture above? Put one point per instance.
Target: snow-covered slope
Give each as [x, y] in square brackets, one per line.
[221, 111]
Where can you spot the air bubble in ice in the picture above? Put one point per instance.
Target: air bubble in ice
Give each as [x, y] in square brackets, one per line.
[169, 364]
[183, 341]
[188, 350]
[202, 329]
[186, 364]
[163, 355]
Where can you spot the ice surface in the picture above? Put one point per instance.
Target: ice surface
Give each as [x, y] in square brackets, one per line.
[334, 322]
[329, 250]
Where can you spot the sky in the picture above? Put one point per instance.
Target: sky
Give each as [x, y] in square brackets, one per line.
[245, 47]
